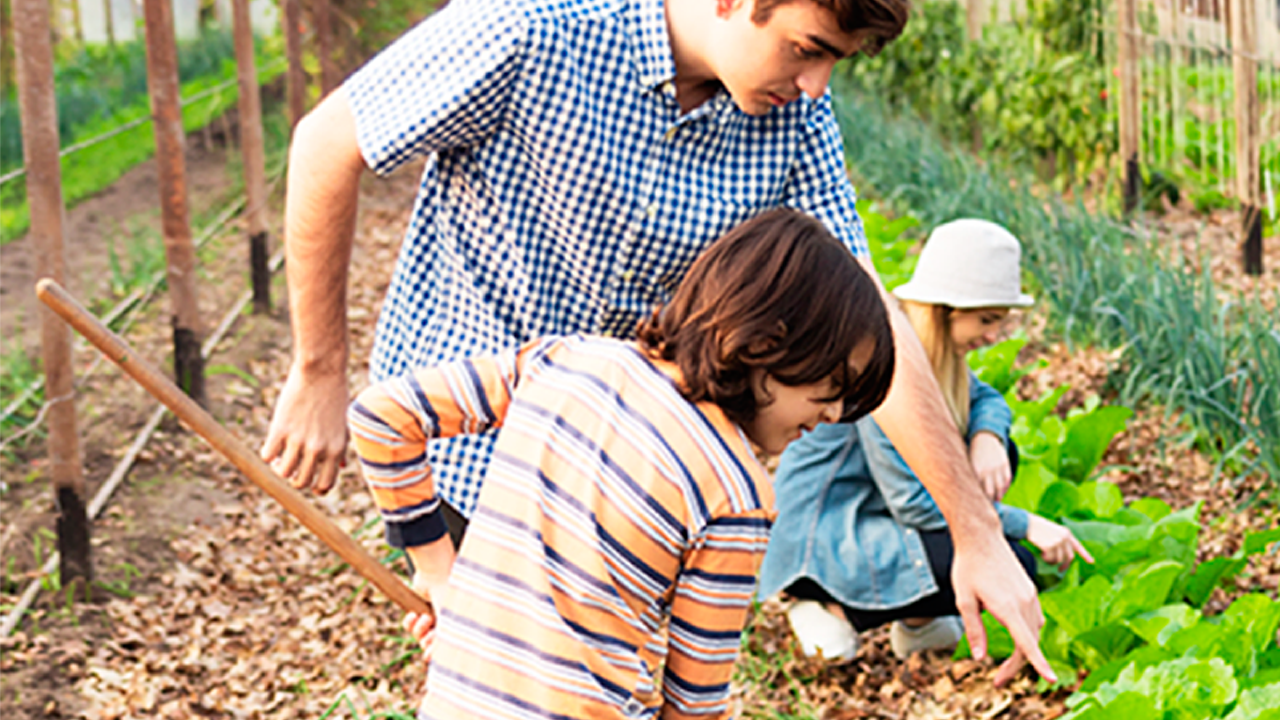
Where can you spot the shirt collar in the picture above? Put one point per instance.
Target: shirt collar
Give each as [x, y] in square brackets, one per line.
[650, 44]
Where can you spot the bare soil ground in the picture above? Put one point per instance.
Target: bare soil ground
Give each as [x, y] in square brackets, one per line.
[214, 603]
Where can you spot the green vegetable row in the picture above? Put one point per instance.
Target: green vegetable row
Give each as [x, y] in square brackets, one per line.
[1179, 342]
[1130, 628]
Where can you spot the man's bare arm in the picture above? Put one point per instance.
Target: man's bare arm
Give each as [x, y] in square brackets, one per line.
[985, 574]
[308, 435]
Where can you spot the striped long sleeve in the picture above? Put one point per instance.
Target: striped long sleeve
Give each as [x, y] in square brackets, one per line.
[391, 423]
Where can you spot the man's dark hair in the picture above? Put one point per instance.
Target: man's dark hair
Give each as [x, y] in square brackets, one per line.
[884, 18]
[781, 294]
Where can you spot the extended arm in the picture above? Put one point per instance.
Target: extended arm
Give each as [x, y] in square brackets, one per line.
[443, 84]
[985, 574]
[307, 438]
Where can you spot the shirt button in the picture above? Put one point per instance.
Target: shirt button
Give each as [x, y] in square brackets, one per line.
[628, 275]
[671, 132]
[919, 563]
[651, 210]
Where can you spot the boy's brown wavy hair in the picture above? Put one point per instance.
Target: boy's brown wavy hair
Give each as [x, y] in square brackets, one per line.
[781, 294]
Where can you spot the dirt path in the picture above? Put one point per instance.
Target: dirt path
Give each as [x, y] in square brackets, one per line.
[126, 208]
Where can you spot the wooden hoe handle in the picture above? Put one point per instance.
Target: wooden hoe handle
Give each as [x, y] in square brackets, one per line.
[116, 350]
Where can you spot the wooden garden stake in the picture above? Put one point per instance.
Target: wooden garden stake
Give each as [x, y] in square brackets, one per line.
[247, 461]
[180, 256]
[255, 172]
[33, 41]
[1130, 107]
[975, 9]
[975, 14]
[1244, 49]
[296, 78]
[322, 18]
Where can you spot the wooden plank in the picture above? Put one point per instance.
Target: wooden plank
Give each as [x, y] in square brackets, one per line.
[1244, 66]
[254, 156]
[180, 255]
[38, 107]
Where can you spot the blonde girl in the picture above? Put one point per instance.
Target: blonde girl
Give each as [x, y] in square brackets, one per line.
[859, 542]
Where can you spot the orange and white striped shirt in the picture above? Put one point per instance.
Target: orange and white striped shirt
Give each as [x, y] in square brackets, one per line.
[609, 567]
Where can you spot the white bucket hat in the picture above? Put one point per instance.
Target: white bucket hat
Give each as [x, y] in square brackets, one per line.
[968, 264]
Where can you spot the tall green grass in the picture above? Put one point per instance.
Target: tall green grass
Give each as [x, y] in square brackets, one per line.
[95, 82]
[1180, 343]
[94, 168]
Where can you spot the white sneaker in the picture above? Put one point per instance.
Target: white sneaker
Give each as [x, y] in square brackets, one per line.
[821, 631]
[941, 632]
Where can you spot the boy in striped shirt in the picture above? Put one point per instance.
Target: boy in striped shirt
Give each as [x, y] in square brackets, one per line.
[612, 558]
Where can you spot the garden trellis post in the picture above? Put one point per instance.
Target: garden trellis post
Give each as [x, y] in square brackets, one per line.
[322, 18]
[296, 78]
[38, 105]
[251, 150]
[1130, 103]
[975, 13]
[1244, 50]
[180, 256]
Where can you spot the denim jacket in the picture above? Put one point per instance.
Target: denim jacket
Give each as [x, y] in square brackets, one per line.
[850, 512]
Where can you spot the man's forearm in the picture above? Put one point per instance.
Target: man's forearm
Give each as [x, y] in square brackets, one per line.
[916, 420]
[320, 213]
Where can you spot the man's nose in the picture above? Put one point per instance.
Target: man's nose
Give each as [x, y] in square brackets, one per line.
[813, 81]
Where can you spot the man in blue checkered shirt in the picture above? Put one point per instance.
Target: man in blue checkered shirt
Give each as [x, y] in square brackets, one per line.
[579, 155]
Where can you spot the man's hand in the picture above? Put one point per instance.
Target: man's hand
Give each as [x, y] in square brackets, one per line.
[307, 441]
[989, 577]
[990, 460]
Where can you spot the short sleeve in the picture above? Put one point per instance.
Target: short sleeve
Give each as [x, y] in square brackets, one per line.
[443, 84]
[819, 184]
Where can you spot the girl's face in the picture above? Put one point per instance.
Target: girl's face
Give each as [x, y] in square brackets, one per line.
[972, 329]
[785, 412]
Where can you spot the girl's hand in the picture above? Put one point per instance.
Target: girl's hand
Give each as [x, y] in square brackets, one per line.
[990, 460]
[423, 629]
[1058, 546]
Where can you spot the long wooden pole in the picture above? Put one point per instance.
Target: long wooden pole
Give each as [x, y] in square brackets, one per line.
[1244, 48]
[180, 255]
[38, 107]
[114, 347]
[1130, 106]
[296, 77]
[251, 150]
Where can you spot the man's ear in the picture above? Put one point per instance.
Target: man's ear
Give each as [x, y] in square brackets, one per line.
[725, 8]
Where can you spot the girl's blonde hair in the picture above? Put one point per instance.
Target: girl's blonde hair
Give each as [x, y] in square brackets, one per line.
[932, 324]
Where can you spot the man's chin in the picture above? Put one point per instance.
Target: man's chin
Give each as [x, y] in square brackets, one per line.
[753, 105]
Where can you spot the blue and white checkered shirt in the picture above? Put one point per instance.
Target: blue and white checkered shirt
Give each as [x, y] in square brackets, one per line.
[564, 190]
